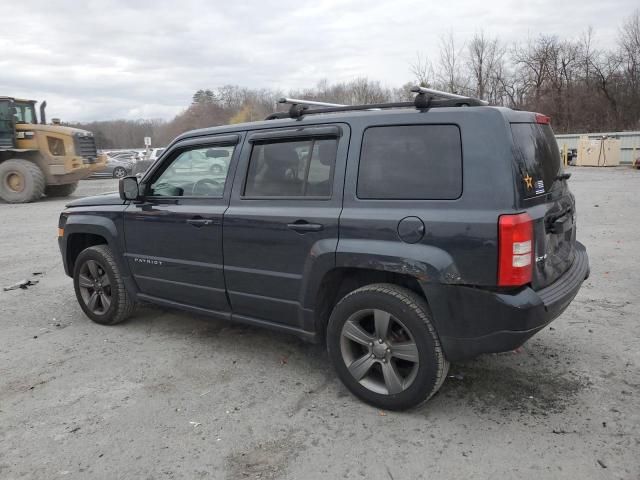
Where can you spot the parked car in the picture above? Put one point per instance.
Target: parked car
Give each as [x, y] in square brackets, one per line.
[114, 168]
[213, 160]
[147, 160]
[404, 236]
[129, 157]
[123, 154]
[154, 153]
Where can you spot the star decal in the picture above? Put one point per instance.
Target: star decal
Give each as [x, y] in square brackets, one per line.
[528, 181]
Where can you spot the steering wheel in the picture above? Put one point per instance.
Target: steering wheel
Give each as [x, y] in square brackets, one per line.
[207, 183]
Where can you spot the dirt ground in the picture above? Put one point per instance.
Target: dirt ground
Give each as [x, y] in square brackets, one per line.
[171, 395]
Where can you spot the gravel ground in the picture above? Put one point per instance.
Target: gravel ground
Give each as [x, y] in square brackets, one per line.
[172, 395]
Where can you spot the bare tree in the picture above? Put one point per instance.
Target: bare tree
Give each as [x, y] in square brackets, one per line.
[606, 68]
[533, 59]
[422, 70]
[450, 65]
[484, 61]
[629, 51]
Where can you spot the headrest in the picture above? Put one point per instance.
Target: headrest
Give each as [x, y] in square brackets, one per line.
[327, 150]
[281, 155]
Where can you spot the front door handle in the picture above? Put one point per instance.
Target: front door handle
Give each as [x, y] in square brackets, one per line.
[199, 221]
[302, 226]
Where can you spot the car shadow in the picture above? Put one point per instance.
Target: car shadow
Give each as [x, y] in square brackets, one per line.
[532, 381]
[511, 384]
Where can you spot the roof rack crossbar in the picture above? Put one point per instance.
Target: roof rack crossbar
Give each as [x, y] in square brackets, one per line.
[439, 93]
[426, 98]
[295, 101]
[436, 93]
[297, 111]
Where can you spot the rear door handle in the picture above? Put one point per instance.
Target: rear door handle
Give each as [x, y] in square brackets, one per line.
[302, 226]
[199, 222]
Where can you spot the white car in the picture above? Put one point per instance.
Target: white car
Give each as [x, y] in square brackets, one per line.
[153, 154]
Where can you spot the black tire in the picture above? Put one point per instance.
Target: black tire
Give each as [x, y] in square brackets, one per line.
[119, 172]
[411, 315]
[61, 190]
[21, 181]
[121, 305]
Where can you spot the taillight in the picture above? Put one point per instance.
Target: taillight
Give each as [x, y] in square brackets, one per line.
[515, 250]
[542, 119]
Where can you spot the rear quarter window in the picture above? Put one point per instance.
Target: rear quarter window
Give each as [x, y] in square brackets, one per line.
[411, 162]
[537, 157]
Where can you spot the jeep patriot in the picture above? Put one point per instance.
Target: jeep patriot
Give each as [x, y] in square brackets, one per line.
[404, 235]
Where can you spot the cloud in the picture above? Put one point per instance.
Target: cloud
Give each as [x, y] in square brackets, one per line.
[120, 59]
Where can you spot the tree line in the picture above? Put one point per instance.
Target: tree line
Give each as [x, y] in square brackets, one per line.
[582, 87]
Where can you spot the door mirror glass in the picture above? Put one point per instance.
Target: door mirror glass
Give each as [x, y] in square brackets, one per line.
[129, 188]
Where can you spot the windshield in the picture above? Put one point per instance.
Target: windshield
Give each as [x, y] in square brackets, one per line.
[537, 156]
[24, 112]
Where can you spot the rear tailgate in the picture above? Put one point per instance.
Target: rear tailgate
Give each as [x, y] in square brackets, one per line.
[545, 195]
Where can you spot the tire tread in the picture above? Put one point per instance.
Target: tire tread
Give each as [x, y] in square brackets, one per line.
[418, 305]
[125, 305]
[39, 181]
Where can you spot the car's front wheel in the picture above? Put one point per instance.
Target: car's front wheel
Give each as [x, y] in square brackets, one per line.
[119, 172]
[384, 347]
[99, 286]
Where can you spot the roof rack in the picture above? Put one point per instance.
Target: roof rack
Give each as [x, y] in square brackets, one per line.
[295, 101]
[426, 98]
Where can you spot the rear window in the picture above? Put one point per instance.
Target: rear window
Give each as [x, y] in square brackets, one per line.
[537, 156]
[416, 162]
[291, 168]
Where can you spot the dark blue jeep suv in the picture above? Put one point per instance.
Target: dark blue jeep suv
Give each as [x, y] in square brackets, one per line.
[404, 235]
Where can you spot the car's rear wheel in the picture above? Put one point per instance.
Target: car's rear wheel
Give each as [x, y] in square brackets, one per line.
[384, 347]
[119, 172]
[99, 286]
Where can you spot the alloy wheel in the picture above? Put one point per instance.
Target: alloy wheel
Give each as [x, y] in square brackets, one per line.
[379, 351]
[95, 287]
[119, 172]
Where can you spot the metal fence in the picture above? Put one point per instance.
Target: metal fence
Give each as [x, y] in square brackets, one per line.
[629, 142]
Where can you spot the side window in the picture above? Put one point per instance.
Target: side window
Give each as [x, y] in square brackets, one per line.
[292, 168]
[411, 162]
[196, 172]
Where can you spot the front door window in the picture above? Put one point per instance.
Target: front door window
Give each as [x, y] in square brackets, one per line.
[196, 172]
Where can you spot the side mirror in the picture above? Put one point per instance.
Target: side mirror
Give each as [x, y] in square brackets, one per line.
[129, 188]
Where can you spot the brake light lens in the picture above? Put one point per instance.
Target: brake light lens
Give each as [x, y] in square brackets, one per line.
[515, 250]
[542, 119]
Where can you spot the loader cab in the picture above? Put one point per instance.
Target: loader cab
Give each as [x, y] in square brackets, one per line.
[24, 111]
[14, 112]
[7, 122]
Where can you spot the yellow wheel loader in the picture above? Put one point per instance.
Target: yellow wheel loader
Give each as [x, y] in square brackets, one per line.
[37, 159]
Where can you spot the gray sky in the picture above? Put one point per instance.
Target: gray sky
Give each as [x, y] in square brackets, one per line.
[105, 59]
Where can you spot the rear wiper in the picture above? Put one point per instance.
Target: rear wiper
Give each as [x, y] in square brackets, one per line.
[563, 176]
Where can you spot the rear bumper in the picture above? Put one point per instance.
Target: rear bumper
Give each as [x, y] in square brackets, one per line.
[472, 321]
